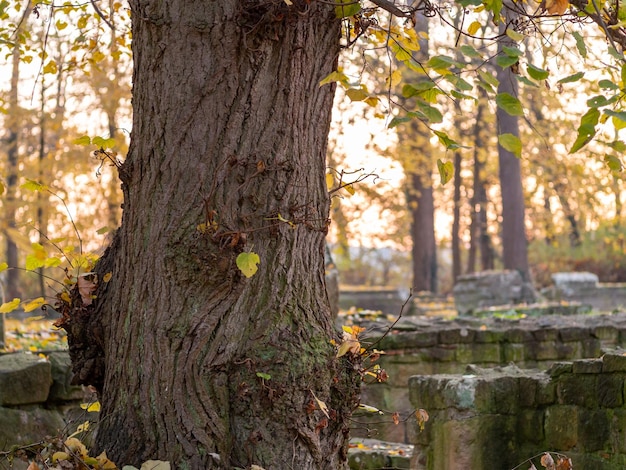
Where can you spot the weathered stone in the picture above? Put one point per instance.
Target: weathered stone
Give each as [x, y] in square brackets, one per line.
[607, 334]
[456, 335]
[561, 427]
[593, 429]
[490, 288]
[587, 366]
[573, 333]
[572, 283]
[21, 427]
[61, 368]
[530, 426]
[613, 363]
[546, 334]
[579, 390]
[559, 368]
[609, 390]
[24, 379]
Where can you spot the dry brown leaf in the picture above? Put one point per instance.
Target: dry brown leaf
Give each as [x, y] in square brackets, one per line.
[547, 461]
[33, 466]
[86, 288]
[556, 7]
[396, 418]
[564, 464]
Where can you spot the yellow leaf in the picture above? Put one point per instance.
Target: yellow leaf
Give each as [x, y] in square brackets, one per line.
[60, 456]
[473, 28]
[330, 181]
[65, 297]
[155, 465]
[350, 189]
[34, 304]
[394, 78]
[91, 407]
[248, 263]
[82, 21]
[107, 277]
[9, 306]
[50, 67]
[3, 267]
[322, 406]
[76, 446]
[369, 409]
[104, 463]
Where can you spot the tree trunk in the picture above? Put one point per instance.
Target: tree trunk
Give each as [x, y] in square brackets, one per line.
[12, 288]
[420, 193]
[514, 243]
[456, 220]
[200, 365]
[424, 251]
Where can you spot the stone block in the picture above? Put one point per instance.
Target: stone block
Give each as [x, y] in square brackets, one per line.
[559, 368]
[573, 333]
[561, 427]
[514, 352]
[22, 427]
[488, 336]
[613, 363]
[487, 353]
[518, 335]
[593, 429]
[591, 347]
[498, 395]
[442, 353]
[24, 379]
[607, 334]
[569, 284]
[542, 351]
[61, 369]
[610, 390]
[456, 335]
[576, 389]
[546, 334]
[587, 366]
[530, 426]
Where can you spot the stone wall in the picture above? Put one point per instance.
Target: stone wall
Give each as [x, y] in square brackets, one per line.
[584, 287]
[425, 346]
[37, 398]
[500, 418]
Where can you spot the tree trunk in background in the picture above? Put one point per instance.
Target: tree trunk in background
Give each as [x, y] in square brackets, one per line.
[456, 219]
[480, 240]
[422, 205]
[514, 243]
[229, 134]
[12, 287]
[420, 193]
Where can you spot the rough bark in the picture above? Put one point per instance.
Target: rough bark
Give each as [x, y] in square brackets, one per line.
[230, 129]
[514, 242]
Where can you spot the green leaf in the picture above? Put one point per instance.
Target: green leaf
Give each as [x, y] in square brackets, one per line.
[469, 51]
[494, 6]
[618, 118]
[526, 81]
[618, 146]
[356, 94]
[442, 63]
[512, 143]
[431, 113]
[608, 85]
[461, 96]
[509, 104]
[580, 44]
[512, 51]
[517, 37]
[9, 306]
[447, 141]
[446, 170]
[32, 185]
[537, 73]
[614, 163]
[103, 230]
[263, 375]
[248, 263]
[347, 8]
[459, 83]
[505, 61]
[572, 78]
[336, 76]
[586, 130]
[599, 101]
[84, 140]
[410, 90]
[488, 78]
[103, 143]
